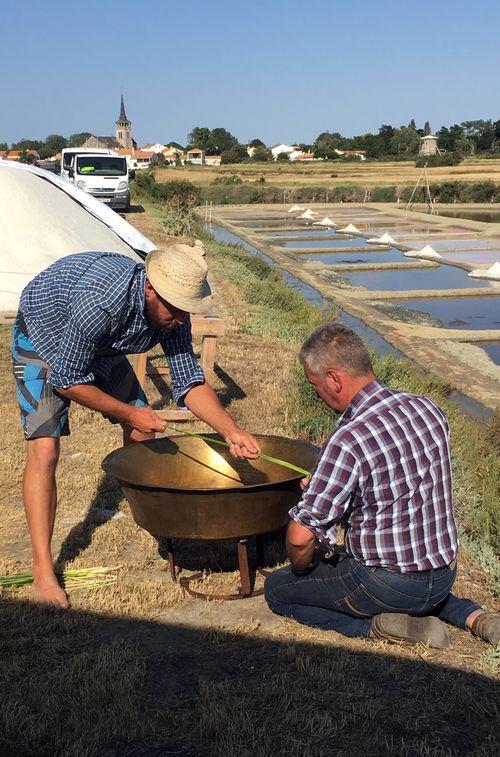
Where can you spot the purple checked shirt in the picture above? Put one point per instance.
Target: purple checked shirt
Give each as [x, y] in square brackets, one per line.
[386, 473]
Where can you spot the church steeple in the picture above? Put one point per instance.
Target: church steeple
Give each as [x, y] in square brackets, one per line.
[123, 116]
[123, 128]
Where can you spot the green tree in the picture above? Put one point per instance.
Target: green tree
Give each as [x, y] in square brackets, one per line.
[27, 144]
[236, 154]
[427, 128]
[200, 137]
[256, 143]
[25, 158]
[77, 140]
[283, 156]
[386, 133]
[325, 144]
[261, 154]
[174, 144]
[221, 140]
[55, 143]
[4, 146]
[405, 142]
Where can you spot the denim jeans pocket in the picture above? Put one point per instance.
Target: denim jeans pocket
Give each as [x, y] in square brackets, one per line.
[361, 603]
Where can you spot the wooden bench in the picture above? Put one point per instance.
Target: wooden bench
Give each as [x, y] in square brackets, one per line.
[209, 327]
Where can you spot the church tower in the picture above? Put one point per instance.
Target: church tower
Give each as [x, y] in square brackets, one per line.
[123, 129]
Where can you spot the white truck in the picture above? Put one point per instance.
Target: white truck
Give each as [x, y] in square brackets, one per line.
[101, 173]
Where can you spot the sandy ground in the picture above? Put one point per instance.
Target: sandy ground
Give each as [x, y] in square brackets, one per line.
[472, 356]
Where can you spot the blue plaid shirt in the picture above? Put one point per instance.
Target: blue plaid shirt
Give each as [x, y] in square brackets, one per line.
[88, 307]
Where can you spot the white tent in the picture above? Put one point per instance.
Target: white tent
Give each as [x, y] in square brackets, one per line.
[350, 229]
[492, 273]
[308, 214]
[295, 209]
[44, 218]
[426, 252]
[326, 222]
[384, 239]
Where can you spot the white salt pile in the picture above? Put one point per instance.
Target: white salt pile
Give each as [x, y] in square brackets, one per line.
[492, 273]
[427, 252]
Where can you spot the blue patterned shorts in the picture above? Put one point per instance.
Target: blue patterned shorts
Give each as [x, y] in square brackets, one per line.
[44, 412]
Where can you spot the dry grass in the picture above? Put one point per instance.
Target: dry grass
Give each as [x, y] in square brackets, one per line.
[332, 174]
[139, 669]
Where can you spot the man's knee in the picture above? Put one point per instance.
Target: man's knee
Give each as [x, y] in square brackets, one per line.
[44, 451]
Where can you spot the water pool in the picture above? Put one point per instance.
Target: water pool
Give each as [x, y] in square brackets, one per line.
[328, 243]
[492, 349]
[443, 277]
[458, 312]
[371, 255]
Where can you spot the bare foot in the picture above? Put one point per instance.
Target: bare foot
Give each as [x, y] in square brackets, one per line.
[47, 593]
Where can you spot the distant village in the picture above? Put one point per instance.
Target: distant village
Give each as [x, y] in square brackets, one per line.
[159, 154]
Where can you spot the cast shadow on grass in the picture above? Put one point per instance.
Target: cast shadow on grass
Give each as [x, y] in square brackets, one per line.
[231, 390]
[79, 684]
[103, 507]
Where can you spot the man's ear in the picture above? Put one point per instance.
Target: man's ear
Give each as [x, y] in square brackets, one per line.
[148, 289]
[335, 378]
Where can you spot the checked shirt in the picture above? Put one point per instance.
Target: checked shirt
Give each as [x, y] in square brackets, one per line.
[386, 474]
[88, 307]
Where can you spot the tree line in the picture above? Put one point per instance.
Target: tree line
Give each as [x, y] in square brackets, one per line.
[389, 143]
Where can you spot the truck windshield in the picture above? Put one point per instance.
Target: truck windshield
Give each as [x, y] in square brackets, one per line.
[101, 165]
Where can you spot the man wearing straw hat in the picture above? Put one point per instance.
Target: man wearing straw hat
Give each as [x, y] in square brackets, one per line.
[76, 322]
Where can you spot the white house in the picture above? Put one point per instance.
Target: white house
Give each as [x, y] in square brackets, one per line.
[196, 155]
[213, 160]
[141, 159]
[153, 148]
[282, 148]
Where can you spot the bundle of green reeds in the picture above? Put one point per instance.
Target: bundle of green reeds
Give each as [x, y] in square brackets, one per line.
[83, 578]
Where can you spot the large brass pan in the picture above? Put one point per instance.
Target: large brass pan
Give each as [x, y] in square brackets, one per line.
[186, 488]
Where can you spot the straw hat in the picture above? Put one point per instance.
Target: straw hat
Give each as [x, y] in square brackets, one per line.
[178, 273]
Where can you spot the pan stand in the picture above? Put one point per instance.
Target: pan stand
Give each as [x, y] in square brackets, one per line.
[247, 574]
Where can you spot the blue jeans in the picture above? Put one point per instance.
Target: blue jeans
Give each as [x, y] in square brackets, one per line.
[341, 594]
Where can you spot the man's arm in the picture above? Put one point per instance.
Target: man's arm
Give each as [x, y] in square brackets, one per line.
[329, 493]
[142, 419]
[204, 403]
[300, 546]
[190, 388]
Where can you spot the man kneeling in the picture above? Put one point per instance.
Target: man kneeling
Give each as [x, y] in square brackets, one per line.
[385, 473]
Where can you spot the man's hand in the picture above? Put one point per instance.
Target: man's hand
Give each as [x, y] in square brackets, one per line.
[242, 444]
[144, 419]
[304, 482]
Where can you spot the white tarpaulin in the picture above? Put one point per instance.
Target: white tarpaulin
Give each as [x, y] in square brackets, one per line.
[492, 273]
[44, 218]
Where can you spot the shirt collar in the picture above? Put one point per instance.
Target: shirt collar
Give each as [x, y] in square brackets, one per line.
[361, 400]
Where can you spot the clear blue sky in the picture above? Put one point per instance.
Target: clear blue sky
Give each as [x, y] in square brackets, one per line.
[277, 70]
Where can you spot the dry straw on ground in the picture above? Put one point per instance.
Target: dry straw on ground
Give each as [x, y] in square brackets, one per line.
[139, 669]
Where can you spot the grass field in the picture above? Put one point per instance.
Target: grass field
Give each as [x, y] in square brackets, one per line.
[141, 670]
[331, 174]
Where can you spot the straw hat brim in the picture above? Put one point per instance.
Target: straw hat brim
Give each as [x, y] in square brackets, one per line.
[172, 292]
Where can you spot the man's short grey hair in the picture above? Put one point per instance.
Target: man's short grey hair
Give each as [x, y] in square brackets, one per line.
[335, 346]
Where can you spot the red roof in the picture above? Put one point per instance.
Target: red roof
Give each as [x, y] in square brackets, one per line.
[143, 154]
